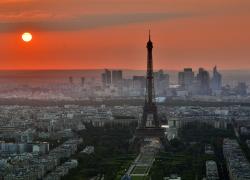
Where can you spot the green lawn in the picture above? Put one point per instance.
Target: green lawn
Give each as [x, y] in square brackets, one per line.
[146, 158]
[140, 170]
[140, 178]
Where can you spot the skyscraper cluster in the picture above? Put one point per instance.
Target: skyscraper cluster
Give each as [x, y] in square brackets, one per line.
[114, 77]
[136, 85]
[106, 77]
[201, 84]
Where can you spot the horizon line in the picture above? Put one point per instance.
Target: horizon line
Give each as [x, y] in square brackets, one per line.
[124, 69]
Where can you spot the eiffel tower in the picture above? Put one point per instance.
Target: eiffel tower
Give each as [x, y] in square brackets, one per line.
[149, 126]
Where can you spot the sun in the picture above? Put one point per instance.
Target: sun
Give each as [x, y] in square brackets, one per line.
[27, 37]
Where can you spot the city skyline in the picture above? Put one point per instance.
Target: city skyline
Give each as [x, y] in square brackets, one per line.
[125, 89]
[96, 35]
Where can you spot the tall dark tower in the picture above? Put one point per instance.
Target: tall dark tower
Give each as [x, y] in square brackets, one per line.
[149, 125]
[150, 78]
[149, 118]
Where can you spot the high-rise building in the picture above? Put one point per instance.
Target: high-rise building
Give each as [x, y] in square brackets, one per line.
[117, 77]
[106, 78]
[186, 78]
[203, 81]
[161, 82]
[216, 81]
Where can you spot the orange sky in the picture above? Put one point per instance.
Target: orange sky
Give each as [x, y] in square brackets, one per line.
[94, 34]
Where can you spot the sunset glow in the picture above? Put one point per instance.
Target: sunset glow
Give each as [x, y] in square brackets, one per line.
[97, 34]
[27, 37]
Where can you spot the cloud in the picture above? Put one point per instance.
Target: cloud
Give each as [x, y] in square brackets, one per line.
[50, 15]
[90, 22]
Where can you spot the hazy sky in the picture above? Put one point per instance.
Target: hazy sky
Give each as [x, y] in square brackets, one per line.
[93, 34]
